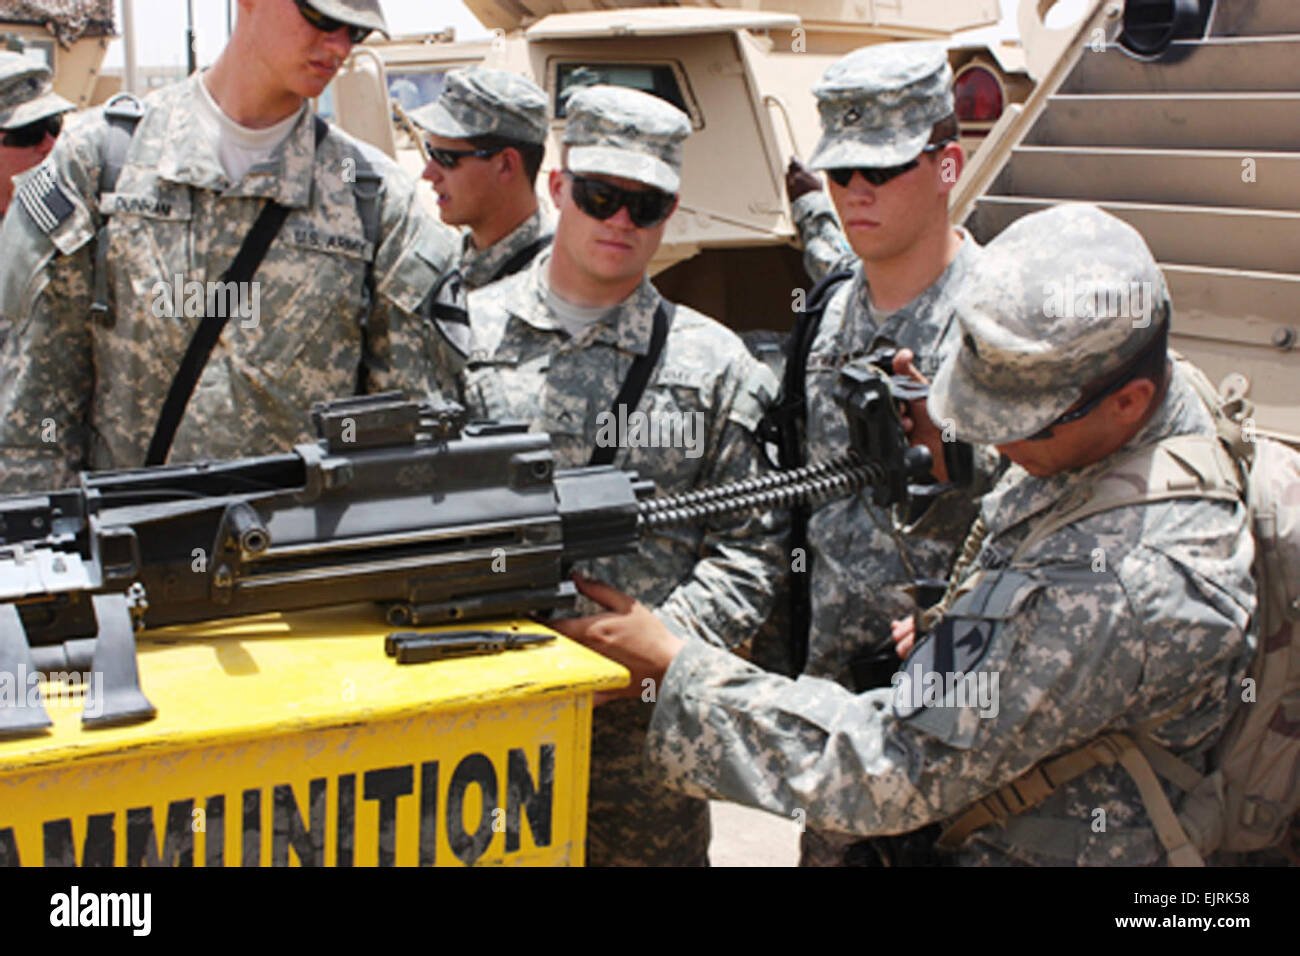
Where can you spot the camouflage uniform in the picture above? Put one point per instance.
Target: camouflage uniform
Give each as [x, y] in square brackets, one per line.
[1079, 649]
[871, 102]
[825, 250]
[26, 96]
[479, 267]
[851, 552]
[96, 386]
[712, 582]
[478, 101]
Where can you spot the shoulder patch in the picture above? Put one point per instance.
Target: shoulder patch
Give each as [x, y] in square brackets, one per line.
[450, 313]
[45, 199]
[943, 670]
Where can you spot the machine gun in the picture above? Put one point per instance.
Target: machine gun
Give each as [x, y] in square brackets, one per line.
[397, 502]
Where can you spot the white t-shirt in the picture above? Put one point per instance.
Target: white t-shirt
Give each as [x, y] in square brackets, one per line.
[239, 148]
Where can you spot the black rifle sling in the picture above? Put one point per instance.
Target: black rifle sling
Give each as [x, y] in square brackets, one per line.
[789, 414]
[521, 258]
[638, 377]
[247, 259]
[122, 114]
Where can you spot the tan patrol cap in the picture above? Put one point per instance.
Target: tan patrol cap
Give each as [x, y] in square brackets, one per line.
[878, 105]
[479, 101]
[624, 132]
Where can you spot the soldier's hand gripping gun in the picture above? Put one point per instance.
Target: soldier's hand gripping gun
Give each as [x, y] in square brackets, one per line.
[398, 503]
[873, 398]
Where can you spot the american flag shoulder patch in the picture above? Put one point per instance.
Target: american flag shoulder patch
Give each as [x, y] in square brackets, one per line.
[45, 198]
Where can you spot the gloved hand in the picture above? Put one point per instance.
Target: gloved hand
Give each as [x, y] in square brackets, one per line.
[800, 180]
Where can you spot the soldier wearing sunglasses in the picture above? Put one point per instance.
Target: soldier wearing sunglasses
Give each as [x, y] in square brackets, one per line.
[487, 137]
[31, 118]
[557, 346]
[145, 201]
[889, 150]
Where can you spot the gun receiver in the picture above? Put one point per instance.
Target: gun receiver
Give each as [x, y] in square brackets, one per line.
[399, 503]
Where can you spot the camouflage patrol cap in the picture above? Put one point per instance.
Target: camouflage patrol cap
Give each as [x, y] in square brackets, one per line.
[479, 101]
[623, 132]
[1063, 298]
[27, 92]
[357, 13]
[879, 104]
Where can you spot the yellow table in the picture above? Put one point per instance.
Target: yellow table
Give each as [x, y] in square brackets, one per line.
[293, 740]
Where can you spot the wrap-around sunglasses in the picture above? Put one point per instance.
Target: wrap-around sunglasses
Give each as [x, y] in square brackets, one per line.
[879, 175]
[601, 200]
[327, 24]
[33, 134]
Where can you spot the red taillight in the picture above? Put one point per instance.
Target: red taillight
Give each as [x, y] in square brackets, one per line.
[979, 96]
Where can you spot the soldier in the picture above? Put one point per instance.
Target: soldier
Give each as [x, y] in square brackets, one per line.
[564, 346]
[31, 118]
[487, 140]
[889, 147]
[127, 235]
[1067, 627]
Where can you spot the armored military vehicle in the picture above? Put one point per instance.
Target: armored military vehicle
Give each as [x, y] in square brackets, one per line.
[72, 36]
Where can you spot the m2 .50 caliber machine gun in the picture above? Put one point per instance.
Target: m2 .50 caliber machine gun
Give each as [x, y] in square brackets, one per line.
[397, 502]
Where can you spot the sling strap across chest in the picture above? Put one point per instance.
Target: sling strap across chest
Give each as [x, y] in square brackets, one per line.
[784, 427]
[521, 258]
[250, 255]
[638, 377]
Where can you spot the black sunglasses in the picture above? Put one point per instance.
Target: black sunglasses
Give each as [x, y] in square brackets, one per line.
[33, 134]
[879, 175]
[600, 200]
[448, 158]
[329, 24]
[1122, 378]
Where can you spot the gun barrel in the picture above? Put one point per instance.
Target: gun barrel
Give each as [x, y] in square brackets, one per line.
[810, 484]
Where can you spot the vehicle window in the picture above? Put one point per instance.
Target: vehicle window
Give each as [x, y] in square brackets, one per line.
[414, 89]
[656, 78]
[42, 51]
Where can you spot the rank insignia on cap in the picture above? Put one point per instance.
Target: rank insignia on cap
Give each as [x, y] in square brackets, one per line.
[44, 198]
[851, 116]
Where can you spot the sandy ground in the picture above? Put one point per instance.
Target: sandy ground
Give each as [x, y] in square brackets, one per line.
[745, 837]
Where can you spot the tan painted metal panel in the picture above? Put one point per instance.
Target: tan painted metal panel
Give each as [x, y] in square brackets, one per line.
[1218, 177]
[1255, 17]
[657, 21]
[900, 16]
[1240, 121]
[1268, 63]
[1222, 319]
[1211, 236]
